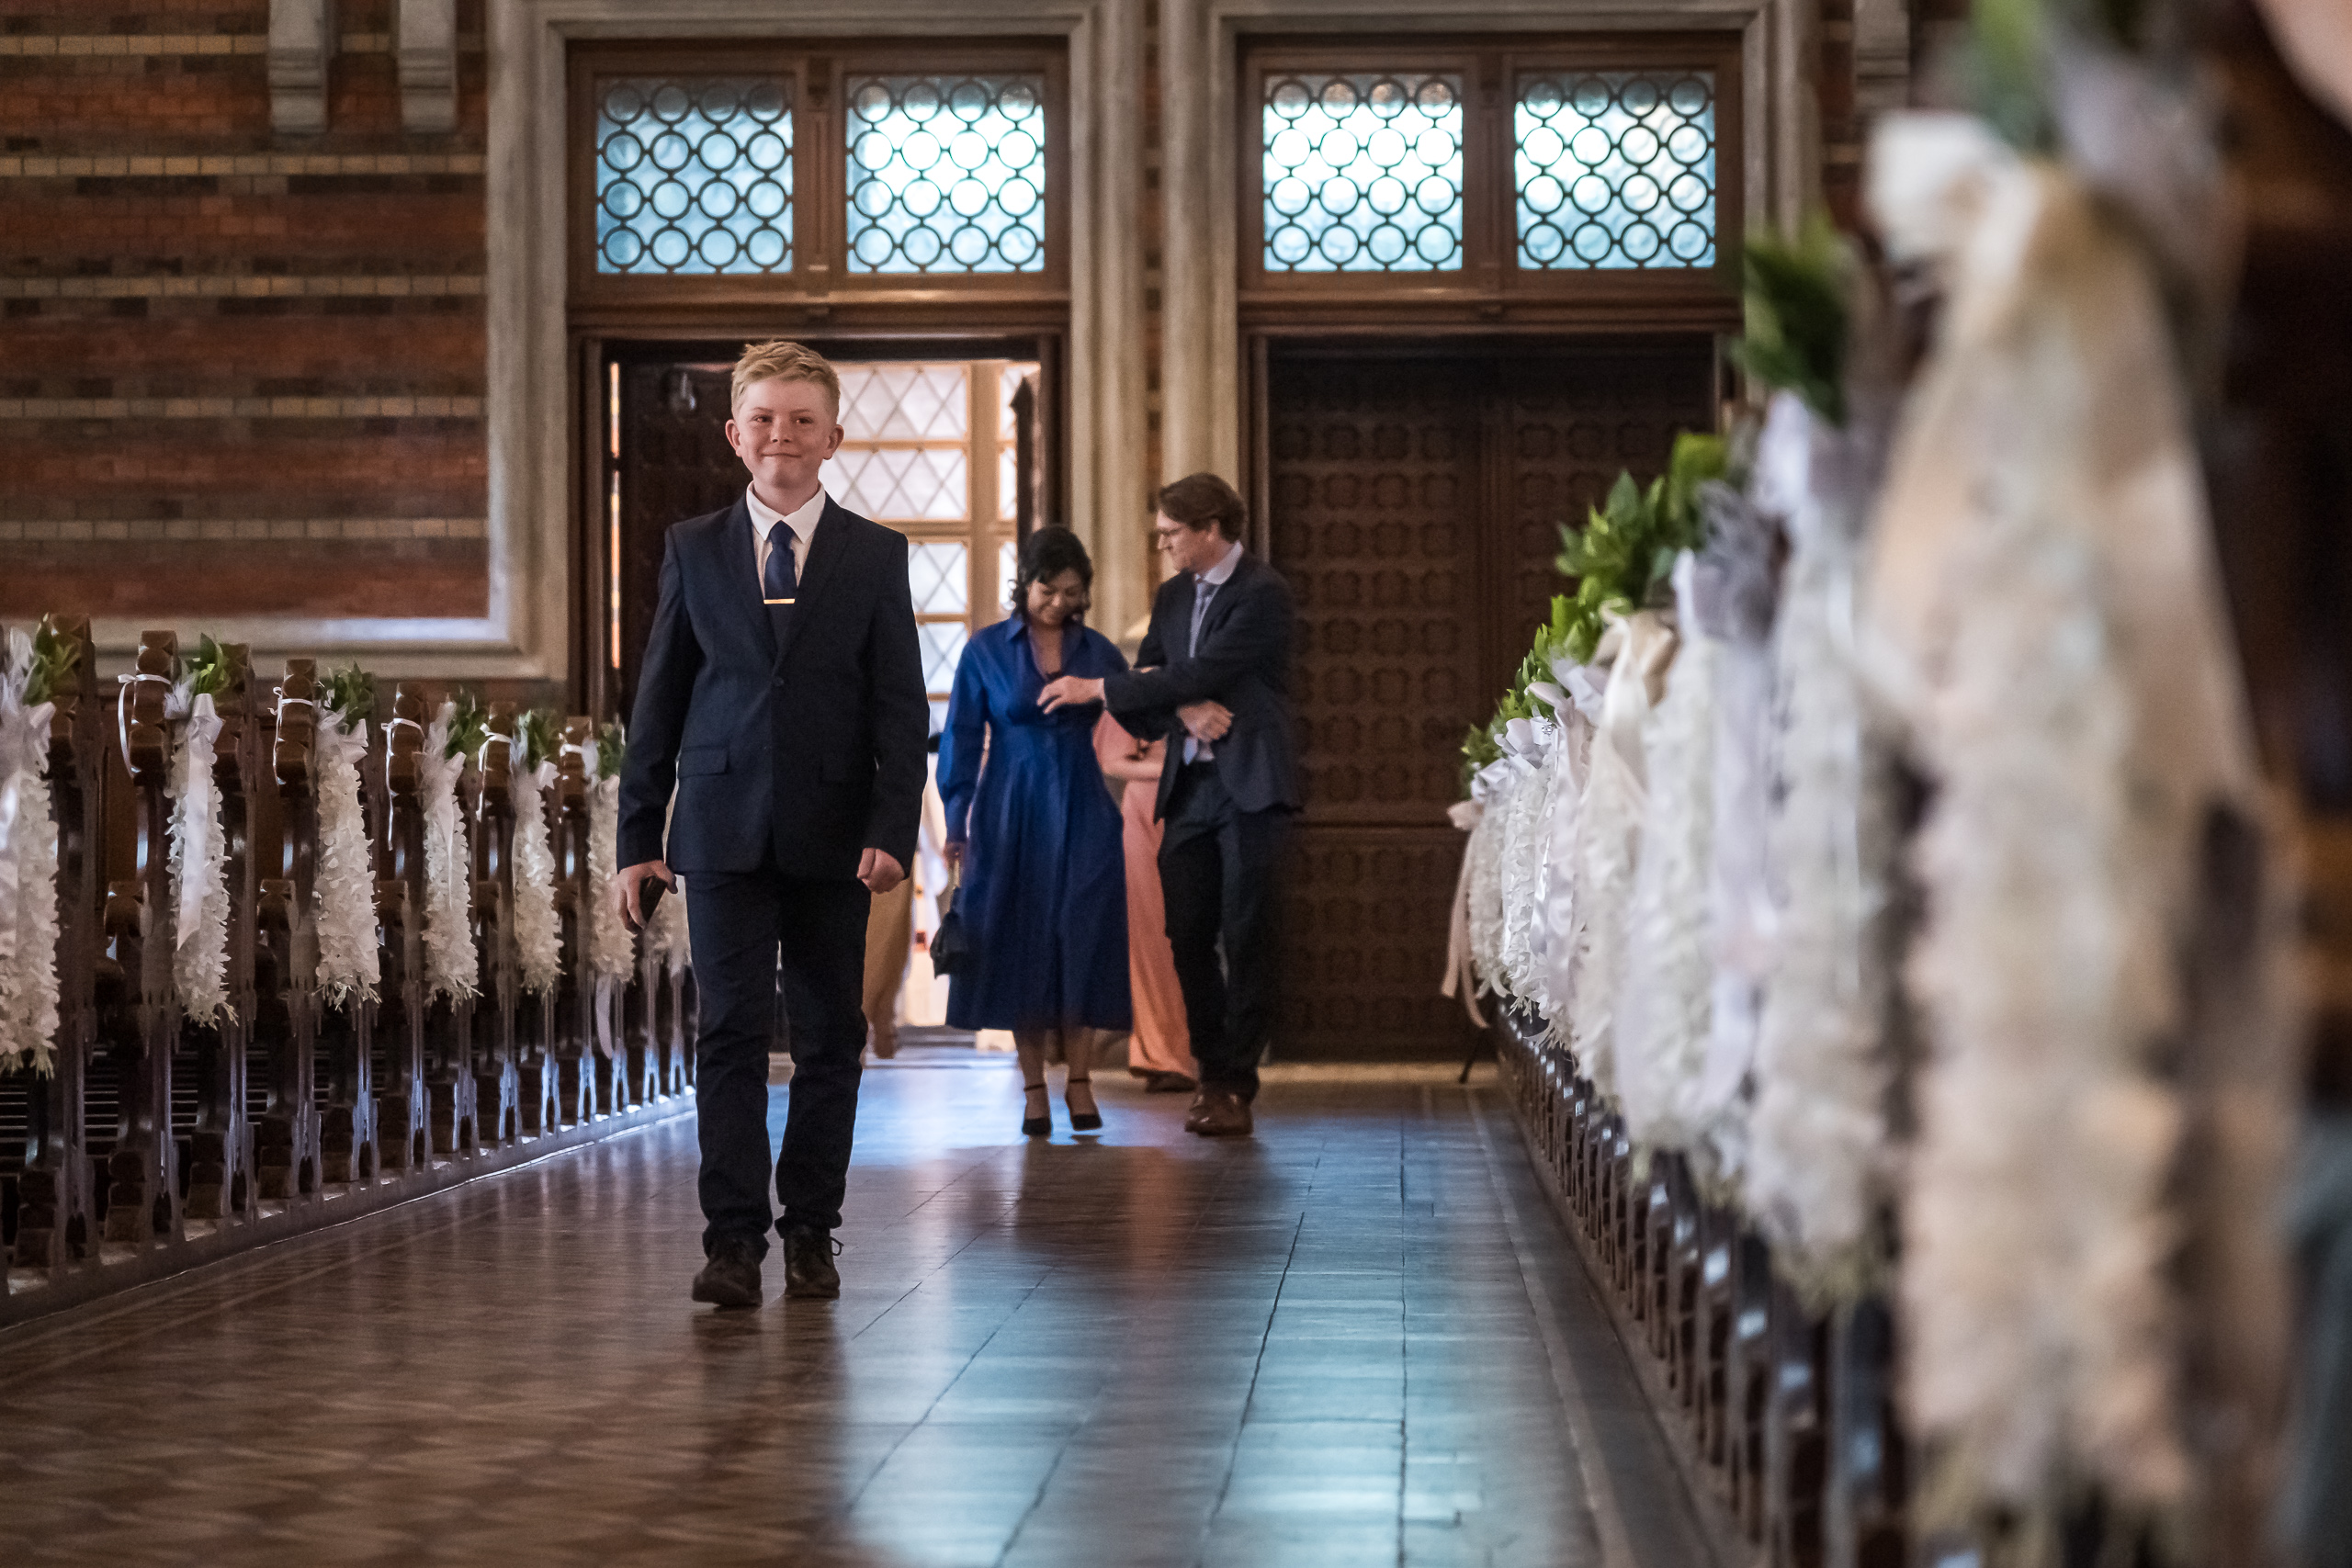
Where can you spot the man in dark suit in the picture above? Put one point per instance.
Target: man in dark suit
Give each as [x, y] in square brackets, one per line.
[783, 693]
[1213, 673]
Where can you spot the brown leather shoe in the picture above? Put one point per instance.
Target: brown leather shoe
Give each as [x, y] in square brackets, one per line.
[1156, 1082]
[1219, 1113]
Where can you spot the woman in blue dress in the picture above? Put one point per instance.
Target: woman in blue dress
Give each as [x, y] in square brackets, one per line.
[1036, 834]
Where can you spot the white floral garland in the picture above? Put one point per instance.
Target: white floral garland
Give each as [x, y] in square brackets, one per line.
[452, 966]
[1817, 1132]
[1521, 854]
[612, 956]
[1460, 981]
[1609, 841]
[1666, 1016]
[2044, 602]
[29, 984]
[538, 934]
[1563, 856]
[343, 893]
[198, 867]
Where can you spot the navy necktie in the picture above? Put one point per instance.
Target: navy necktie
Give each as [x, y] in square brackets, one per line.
[780, 584]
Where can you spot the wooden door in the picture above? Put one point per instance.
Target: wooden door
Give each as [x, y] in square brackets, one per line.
[1414, 502]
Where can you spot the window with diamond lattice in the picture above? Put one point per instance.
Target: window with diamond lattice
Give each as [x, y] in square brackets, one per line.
[1475, 176]
[694, 174]
[927, 449]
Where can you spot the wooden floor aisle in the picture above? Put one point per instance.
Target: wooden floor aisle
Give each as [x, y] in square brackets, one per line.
[1361, 1337]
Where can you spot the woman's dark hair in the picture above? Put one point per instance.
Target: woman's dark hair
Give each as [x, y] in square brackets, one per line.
[1045, 555]
[1201, 500]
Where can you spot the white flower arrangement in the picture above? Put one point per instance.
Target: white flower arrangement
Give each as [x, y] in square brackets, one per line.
[1665, 1019]
[538, 936]
[1817, 1148]
[452, 966]
[198, 870]
[29, 984]
[344, 890]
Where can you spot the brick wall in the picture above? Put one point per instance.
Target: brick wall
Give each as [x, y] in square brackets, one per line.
[240, 373]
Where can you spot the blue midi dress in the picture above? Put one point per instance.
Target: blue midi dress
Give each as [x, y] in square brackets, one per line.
[1044, 896]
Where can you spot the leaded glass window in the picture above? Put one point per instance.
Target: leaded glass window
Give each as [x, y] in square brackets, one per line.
[948, 174]
[1363, 172]
[694, 174]
[1616, 169]
[924, 449]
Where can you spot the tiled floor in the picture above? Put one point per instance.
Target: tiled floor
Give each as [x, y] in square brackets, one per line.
[1359, 1338]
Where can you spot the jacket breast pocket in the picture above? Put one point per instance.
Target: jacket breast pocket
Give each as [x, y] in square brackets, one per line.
[695, 761]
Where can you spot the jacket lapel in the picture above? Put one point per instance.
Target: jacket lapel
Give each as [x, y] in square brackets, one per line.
[825, 548]
[741, 570]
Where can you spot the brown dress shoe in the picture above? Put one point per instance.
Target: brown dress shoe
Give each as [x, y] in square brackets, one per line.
[1168, 1083]
[1219, 1113]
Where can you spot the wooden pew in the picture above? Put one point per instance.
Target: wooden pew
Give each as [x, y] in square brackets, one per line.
[449, 1020]
[343, 1070]
[56, 1214]
[575, 1031]
[399, 1036]
[208, 1121]
[287, 1155]
[129, 1101]
[496, 1083]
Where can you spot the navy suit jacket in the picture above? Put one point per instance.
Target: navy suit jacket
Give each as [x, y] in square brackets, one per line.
[1243, 662]
[813, 752]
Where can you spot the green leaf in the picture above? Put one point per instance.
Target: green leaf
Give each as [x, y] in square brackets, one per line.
[469, 725]
[540, 733]
[52, 666]
[1798, 320]
[612, 742]
[351, 697]
[207, 670]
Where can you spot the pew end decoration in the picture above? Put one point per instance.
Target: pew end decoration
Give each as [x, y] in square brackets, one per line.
[39, 669]
[1850, 859]
[344, 896]
[538, 937]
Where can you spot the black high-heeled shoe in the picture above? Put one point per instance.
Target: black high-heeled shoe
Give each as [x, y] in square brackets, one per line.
[1082, 1122]
[1037, 1126]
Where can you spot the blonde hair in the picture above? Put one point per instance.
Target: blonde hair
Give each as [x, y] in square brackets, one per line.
[781, 361]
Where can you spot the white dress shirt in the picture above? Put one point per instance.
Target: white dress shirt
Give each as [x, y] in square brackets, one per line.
[1203, 591]
[802, 523]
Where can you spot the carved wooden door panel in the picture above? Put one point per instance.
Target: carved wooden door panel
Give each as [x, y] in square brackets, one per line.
[1414, 505]
[675, 464]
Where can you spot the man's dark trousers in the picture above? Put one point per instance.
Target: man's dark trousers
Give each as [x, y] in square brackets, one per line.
[737, 922]
[1217, 876]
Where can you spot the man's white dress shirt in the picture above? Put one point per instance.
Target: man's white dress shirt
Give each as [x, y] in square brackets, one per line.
[1204, 591]
[803, 524]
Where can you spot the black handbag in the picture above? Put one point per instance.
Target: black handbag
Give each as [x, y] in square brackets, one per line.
[950, 948]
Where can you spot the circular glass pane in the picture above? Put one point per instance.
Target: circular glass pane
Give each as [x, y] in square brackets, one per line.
[1434, 194]
[1690, 241]
[1289, 99]
[968, 148]
[623, 102]
[1689, 97]
[1338, 97]
[765, 150]
[764, 101]
[969, 196]
[672, 152]
[1541, 97]
[1639, 144]
[719, 101]
[920, 246]
[1388, 196]
[1434, 244]
[765, 248]
[622, 249]
[1639, 96]
[873, 249]
[1339, 244]
[1017, 99]
[1640, 193]
[1590, 96]
[1018, 246]
[1543, 243]
[1016, 149]
[671, 248]
[920, 151]
[623, 199]
[872, 102]
[1386, 245]
[967, 100]
[716, 198]
[670, 199]
[921, 198]
[623, 152]
[1592, 242]
[717, 249]
[670, 103]
[969, 246]
[872, 197]
[1544, 194]
[1290, 197]
[1434, 148]
[921, 100]
[1289, 244]
[1016, 197]
[871, 151]
[765, 199]
[1340, 195]
[1436, 97]
[1590, 193]
[717, 152]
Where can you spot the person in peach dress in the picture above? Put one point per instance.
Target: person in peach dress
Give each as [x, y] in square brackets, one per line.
[1159, 1051]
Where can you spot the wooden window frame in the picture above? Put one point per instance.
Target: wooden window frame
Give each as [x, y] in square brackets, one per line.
[816, 70]
[1490, 275]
